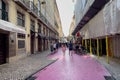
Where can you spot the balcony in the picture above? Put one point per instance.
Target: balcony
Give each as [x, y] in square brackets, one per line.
[44, 20]
[33, 10]
[32, 28]
[41, 16]
[3, 15]
[22, 3]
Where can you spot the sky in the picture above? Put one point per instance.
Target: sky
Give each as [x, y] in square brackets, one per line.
[66, 10]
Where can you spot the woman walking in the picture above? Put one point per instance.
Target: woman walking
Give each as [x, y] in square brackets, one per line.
[63, 49]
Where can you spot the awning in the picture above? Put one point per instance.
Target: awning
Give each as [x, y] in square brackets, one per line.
[11, 27]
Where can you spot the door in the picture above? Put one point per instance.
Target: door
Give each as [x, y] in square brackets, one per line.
[32, 42]
[3, 48]
[103, 46]
[39, 44]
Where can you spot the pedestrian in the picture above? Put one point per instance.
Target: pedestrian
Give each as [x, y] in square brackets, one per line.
[80, 48]
[51, 47]
[57, 45]
[54, 46]
[77, 48]
[63, 48]
[70, 48]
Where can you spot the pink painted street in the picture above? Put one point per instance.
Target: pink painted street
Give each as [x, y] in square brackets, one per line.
[75, 67]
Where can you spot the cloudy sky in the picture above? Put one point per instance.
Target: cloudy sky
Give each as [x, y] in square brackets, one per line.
[66, 9]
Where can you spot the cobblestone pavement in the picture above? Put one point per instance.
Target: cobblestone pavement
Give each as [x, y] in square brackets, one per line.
[113, 67]
[23, 68]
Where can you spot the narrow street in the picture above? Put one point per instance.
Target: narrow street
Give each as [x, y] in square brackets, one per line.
[73, 67]
[34, 35]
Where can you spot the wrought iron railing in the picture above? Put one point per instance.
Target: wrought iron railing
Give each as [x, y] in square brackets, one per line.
[32, 7]
[44, 19]
[3, 15]
[23, 2]
[32, 28]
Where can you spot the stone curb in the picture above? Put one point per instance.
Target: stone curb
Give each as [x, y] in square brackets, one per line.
[33, 78]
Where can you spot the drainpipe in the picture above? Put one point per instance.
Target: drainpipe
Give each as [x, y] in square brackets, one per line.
[107, 57]
[90, 47]
[101, 45]
[98, 48]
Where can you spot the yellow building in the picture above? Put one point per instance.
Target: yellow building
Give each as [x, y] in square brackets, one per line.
[24, 30]
[58, 24]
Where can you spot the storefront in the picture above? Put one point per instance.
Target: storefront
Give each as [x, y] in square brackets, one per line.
[9, 42]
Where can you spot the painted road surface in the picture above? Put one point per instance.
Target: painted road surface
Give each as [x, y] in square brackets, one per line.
[73, 67]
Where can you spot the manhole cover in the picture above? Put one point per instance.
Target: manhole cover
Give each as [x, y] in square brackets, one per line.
[109, 78]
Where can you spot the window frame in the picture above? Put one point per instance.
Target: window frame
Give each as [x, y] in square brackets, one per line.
[21, 18]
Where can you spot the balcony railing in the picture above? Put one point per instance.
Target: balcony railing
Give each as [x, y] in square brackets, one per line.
[32, 7]
[23, 3]
[3, 15]
[32, 28]
[43, 18]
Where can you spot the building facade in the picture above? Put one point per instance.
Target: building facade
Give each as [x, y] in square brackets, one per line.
[72, 27]
[58, 24]
[26, 27]
[98, 23]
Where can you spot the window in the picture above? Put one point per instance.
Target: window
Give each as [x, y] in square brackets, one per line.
[39, 28]
[21, 44]
[32, 25]
[22, 36]
[20, 19]
[3, 11]
[39, 7]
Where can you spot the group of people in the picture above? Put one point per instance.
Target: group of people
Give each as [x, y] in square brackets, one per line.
[54, 47]
[77, 47]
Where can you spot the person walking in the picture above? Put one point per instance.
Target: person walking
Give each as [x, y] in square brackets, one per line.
[54, 45]
[77, 48]
[57, 46]
[63, 48]
[70, 48]
[51, 47]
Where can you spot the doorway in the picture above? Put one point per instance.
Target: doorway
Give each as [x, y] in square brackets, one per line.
[103, 46]
[32, 41]
[39, 44]
[3, 48]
